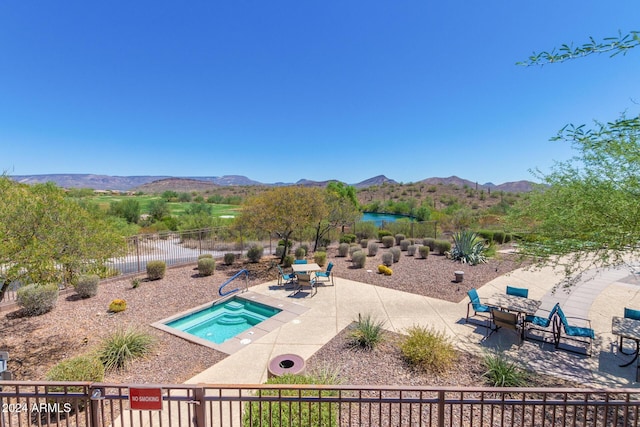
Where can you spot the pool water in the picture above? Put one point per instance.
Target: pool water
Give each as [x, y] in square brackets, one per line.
[224, 320]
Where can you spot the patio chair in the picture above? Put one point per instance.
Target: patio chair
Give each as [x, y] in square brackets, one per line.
[507, 320]
[518, 292]
[629, 313]
[326, 274]
[540, 321]
[285, 279]
[302, 280]
[300, 261]
[580, 334]
[479, 309]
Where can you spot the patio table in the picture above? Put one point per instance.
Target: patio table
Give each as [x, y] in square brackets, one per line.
[304, 268]
[514, 304]
[630, 329]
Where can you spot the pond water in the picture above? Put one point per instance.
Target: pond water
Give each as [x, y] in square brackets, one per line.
[379, 218]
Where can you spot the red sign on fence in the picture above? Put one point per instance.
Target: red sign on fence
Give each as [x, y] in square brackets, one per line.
[145, 399]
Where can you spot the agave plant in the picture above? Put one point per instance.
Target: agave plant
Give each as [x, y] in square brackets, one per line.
[468, 248]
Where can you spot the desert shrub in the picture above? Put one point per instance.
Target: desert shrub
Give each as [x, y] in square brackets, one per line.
[387, 258]
[354, 248]
[348, 238]
[430, 242]
[300, 253]
[288, 413]
[428, 349]
[424, 251]
[230, 258]
[279, 251]
[395, 251]
[79, 368]
[502, 372]
[498, 237]
[135, 282]
[320, 258]
[411, 250]
[206, 266]
[123, 346]
[366, 230]
[372, 248]
[388, 241]
[399, 238]
[254, 253]
[87, 285]
[383, 269]
[201, 256]
[117, 305]
[288, 261]
[37, 299]
[364, 243]
[343, 249]
[486, 235]
[404, 244]
[156, 269]
[469, 248]
[305, 247]
[359, 259]
[442, 246]
[384, 233]
[367, 332]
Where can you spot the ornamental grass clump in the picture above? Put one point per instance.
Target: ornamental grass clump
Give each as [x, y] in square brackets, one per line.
[411, 250]
[367, 333]
[502, 372]
[343, 249]
[387, 258]
[123, 346]
[396, 252]
[79, 368]
[320, 258]
[388, 241]
[300, 253]
[442, 246]
[428, 349]
[468, 248]
[424, 251]
[255, 253]
[230, 258]
[404, 244]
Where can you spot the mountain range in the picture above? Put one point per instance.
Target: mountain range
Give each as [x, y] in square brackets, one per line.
[149, 182]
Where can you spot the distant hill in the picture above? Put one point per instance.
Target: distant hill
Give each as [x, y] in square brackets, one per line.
[161, 183]
[509, 187]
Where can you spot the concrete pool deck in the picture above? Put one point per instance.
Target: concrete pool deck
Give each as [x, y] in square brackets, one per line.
[598, 296]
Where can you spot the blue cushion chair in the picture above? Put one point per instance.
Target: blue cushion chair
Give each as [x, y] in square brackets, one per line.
[479, 309]
[326, 274]
[518, 292]
[562, 329]
[300, 261]
[285, 278]
[540, 321]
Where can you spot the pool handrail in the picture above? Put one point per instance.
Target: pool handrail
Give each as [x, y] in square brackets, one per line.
[235, 276]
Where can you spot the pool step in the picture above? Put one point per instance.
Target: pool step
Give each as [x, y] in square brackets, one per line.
[230, 320]
[234, 305]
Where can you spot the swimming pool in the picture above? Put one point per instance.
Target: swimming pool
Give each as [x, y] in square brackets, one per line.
[229, 324]
[224, 320]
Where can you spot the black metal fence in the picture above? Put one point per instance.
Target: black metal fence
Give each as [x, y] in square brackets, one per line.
[33, 403]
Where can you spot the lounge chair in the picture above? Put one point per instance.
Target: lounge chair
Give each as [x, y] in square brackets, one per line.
[507, 320]
[518, 292]
[540, 321]
[302, 280]
[285, 279]
[479, 309]
[580, 334]
[326, 274]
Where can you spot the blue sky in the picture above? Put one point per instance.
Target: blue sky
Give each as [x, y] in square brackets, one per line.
[284, 90]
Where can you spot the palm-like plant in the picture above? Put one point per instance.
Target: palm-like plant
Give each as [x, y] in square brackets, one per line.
[468, 248]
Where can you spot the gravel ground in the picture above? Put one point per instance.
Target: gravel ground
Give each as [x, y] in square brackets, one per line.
[77, 326]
